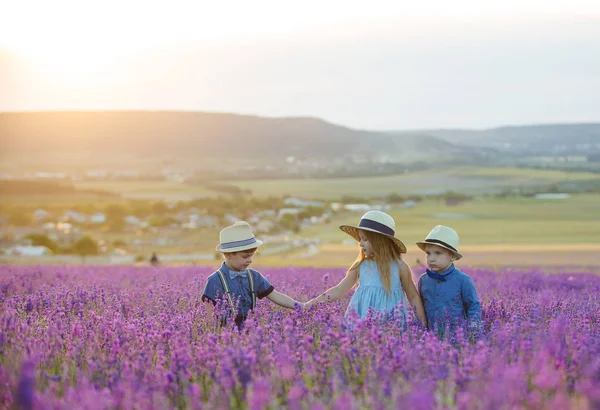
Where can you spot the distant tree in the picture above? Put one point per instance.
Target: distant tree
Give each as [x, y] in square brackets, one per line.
[395, 198]
[43, 240]
[160, 220]
[85, 246]
[140, 209]
[289, 222]
[160, 208]
[311, 211]
[119, 243]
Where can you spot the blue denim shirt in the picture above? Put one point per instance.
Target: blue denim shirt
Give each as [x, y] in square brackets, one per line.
[240, 290]
[451, 302]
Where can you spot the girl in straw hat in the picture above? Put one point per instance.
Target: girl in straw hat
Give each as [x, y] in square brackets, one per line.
[234, 282]
[449, 295]
[382, 275]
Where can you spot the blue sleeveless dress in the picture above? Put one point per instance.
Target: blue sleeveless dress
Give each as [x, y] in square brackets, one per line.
[371, 298]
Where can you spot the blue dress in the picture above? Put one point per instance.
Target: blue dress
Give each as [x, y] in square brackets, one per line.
[372, 297]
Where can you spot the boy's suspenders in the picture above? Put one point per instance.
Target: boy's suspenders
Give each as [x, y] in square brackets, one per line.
[228, 291]
[252, 292]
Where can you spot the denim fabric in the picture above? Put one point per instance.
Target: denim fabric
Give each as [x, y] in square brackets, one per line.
[240, 289]
[451, 302]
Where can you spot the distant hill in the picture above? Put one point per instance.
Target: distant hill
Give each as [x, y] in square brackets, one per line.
[549, 139]
[201, 135]
[219, 135]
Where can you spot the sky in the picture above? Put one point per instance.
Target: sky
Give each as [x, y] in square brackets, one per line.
[380, 65]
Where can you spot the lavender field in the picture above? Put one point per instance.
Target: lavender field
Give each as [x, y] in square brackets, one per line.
[127, 337]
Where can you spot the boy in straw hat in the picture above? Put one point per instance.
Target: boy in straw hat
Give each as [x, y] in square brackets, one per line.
[448, 294]
[234, 281]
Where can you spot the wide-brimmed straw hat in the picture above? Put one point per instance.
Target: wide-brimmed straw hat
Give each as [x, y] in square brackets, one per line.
[442, 236]
[378, 222]
[237, 237]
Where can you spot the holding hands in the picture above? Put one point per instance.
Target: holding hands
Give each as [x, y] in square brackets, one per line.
[310, 303]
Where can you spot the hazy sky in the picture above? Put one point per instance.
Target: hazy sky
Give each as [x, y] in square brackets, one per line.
[369, 64]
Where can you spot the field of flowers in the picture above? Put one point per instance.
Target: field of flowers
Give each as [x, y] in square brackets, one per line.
[83, 337]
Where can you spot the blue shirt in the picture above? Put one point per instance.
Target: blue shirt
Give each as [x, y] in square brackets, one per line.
[240, 290]
[450, 302]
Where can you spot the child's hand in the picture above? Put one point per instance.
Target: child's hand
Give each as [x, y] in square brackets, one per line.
[309, 303]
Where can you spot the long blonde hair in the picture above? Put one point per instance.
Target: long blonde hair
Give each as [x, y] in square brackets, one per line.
[385, 252]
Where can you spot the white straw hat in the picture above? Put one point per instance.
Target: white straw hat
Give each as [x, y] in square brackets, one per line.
[375, 221]
[442, 236]
[237, 237]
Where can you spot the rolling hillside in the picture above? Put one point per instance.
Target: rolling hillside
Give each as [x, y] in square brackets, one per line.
[204, 135]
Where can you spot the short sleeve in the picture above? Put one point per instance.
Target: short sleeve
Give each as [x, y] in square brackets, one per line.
[262, 285]
[211, 289]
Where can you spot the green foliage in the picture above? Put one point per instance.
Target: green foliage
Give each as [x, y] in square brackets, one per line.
[115, 214]
[160, 208]
[85, 246]
[118, 243]
[160, 220]
[227, 189]
[43, 240]
[311, 211]
[289, 222]
[353, 199]
[140, 209]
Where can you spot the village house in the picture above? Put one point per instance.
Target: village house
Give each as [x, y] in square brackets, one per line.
[302, 203]
[98, 218]
[40, 215]
[73, 216]
[29, 250]
[288, 211]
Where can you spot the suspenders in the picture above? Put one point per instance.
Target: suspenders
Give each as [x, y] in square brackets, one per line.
[228, 291]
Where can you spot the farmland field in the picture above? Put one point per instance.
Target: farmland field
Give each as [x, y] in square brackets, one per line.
[491, 221]
[139, 338]
[473, 180]
[493, 231]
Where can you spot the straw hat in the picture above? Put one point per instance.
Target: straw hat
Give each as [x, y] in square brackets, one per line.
[442, 236]
[375, 221]
[237, 237]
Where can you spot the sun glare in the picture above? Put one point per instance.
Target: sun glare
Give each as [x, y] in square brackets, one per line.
[74, 39]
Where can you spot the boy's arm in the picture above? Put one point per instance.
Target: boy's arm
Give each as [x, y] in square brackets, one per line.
[411, 292]
[283, 300]
[339, 290]
[471, 302]
[209, 304]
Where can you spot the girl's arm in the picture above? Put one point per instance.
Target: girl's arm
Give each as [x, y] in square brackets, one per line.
[339, 290]
[283, 300]
[411, 292]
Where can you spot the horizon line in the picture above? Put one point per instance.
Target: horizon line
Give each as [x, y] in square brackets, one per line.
[174, 111]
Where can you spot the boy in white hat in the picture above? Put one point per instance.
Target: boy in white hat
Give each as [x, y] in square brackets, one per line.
[240, 285]
[449, 295]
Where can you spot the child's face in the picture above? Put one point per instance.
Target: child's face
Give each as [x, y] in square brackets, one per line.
[239, 261]
[438, 258]
[365, 244]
